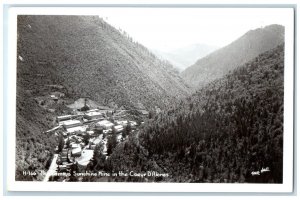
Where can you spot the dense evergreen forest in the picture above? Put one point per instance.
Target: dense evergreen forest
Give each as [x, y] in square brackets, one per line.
[34, 148]
[222, 133]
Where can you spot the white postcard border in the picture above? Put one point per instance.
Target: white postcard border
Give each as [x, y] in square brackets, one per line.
[13, 185]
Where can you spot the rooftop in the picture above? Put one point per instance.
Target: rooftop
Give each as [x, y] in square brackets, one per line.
[90, 132]
[144, 112]
[64, 116]
[76, 150]
[74, 145]
[93, 113]
[105, 122]
[71, 122]
[96, 141]
[77, 128]
[93, 110]
[133, 123]
[119, 127]
[85, 157]
[122, 122]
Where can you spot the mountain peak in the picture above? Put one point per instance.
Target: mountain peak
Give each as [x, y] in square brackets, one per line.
[226, 59]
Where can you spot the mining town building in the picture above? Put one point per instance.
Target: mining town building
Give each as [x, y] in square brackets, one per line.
[71, 123]
[61, 119]
[105, 124]
[76, 152]
[73, 126]
[93, 115]
[119, 128]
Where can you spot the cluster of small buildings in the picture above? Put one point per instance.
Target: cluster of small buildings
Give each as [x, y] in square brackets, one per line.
[74, 127]
[81, 122]
[76, 152]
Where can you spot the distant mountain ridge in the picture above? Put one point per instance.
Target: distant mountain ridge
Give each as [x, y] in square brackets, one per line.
[226, 59]
[184, 57]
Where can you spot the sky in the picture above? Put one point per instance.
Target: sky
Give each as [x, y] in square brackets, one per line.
[166, 29]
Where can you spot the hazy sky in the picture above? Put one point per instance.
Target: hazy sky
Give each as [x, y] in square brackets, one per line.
[170, 28]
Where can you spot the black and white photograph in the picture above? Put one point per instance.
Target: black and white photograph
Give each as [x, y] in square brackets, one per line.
[153, 95]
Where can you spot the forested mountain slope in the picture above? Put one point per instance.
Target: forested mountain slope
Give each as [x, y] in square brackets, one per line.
[222, 133]
[91, 58]
[226, 59]
[80, 56]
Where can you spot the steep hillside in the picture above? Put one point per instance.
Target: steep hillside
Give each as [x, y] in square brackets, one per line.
[77, 57]
[222, 133]
[184, 57]
[34, 148]
[226, 59]
[91, 58]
